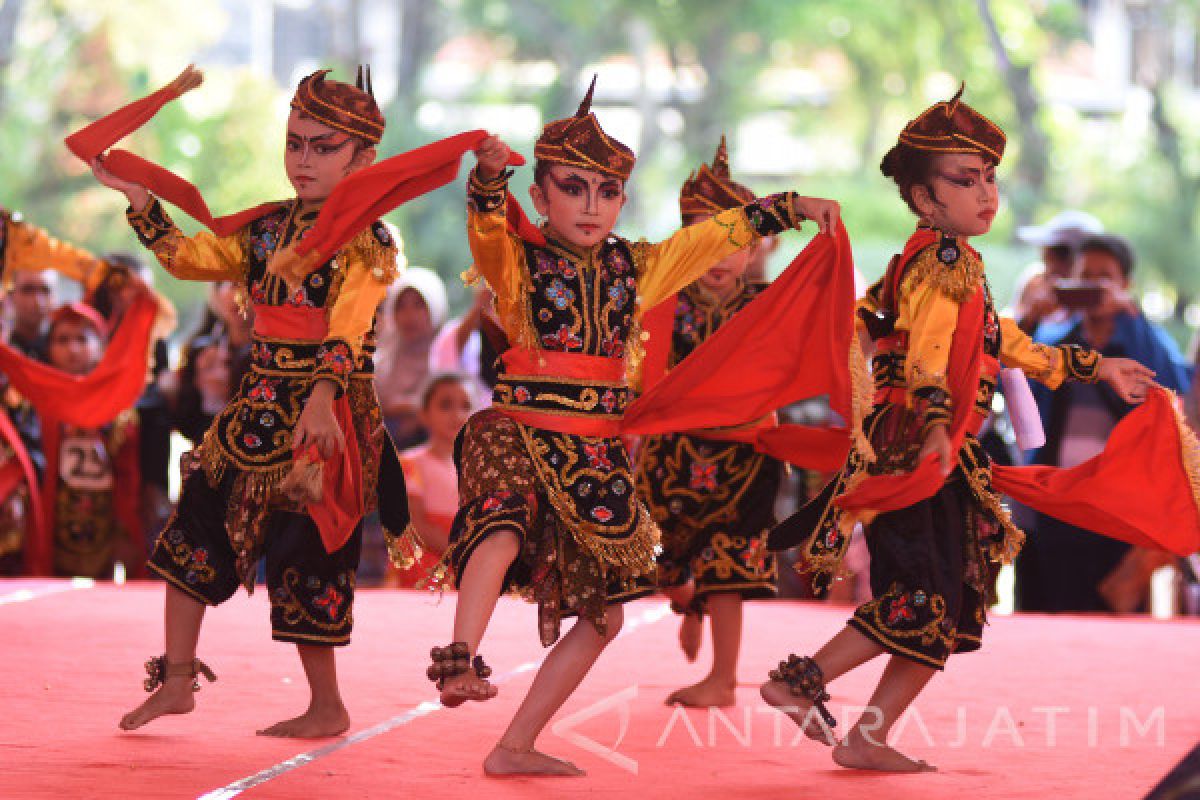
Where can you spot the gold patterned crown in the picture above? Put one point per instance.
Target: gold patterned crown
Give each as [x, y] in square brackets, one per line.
[579, 141]
[350, 109]
[954, 127]
[710, 189]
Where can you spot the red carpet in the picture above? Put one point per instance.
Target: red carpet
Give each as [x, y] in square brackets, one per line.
[73, 660]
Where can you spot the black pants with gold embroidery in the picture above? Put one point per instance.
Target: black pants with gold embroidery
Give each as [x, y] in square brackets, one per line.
[927, 572]
[311, 591]
[714, 502]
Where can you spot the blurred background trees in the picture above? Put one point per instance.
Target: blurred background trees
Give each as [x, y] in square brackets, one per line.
[1099, 98]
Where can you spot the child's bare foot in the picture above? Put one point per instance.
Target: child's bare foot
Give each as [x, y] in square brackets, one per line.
[509, 761]
[691, 633]
[468, 686]
[316, 723]
[175, 696]
[705, 694]
[856, 752]
[799, 709]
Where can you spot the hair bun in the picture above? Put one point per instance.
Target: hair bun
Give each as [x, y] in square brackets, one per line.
[890, 166]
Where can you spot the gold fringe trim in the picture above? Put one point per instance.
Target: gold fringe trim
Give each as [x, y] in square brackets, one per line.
[825, 563]
[979, 479]
[958, 281]
[1189, 450]
[862, 390]
[403, 549]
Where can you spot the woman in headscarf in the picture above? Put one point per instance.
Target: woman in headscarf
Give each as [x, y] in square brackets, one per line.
[410, 319]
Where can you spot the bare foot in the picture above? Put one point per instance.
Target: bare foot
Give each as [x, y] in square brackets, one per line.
[691, 633]
[855, 752]
[799, 710]
[175, 696]
[705, 694]
[504, 761]
[312, 724]
[464, 687]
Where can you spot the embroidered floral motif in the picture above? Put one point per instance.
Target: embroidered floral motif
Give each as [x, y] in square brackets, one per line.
[335, 357]
[563, 338]
[597, 456]
[558, 294]
[703, 476]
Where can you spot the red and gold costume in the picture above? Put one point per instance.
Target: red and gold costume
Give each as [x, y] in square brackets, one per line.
[714, 500]
[546, 460]
[934, 562]
[233, 510]
[27, 248]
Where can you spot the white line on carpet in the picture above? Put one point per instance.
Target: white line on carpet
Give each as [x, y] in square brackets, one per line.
[647, 617]
[58, 587]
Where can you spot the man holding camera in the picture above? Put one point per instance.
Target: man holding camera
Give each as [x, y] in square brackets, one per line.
[1064, 568]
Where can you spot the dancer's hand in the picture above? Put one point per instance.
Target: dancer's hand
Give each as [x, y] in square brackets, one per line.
[937, 442]
[1128, 378]
[317, 424]
[492, 154]
[137, 194]
[825, 213]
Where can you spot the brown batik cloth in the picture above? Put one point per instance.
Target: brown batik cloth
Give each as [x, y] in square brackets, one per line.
[500, 490]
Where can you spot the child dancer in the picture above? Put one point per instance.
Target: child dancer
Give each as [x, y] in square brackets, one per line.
[311, 370]
[714, 500]
[939, 345]
[548, 498]
[92, 483]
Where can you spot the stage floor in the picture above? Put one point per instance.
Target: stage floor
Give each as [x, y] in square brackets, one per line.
[1067, 707]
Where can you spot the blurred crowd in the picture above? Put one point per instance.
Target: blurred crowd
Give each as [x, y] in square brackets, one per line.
[107, 491]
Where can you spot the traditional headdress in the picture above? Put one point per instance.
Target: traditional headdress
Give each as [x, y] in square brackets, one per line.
[710, 189]
[350, 109]
[954, 127]
[81, 312]
[579, 141]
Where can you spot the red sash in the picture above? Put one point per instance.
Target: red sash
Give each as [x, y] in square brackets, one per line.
[521, 362]
[342, 504]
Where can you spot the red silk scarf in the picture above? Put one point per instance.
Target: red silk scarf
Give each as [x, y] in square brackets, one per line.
[790, 343]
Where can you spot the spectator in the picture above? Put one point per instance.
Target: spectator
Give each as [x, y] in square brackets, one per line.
[90, 491]
[30, 300]
[411, 317]
[429, 471]
[211, 363]
[1059, 240]
[1063, 568]
[462, 347]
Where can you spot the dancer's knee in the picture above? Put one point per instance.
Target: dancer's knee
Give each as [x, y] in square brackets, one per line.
[501, 545]
[614, 619]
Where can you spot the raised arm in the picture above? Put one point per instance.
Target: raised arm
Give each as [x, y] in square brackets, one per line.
[203, 257]
[668, 266]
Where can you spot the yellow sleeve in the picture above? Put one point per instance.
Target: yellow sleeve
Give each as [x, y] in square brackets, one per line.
[369, 268]
[930, 316]
[1044, 363]
[28, 248]
[498, 256]
[667, 267]
[203, 257]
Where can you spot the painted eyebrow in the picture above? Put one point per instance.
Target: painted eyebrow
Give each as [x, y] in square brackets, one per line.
[968, 172]
[322, 139]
